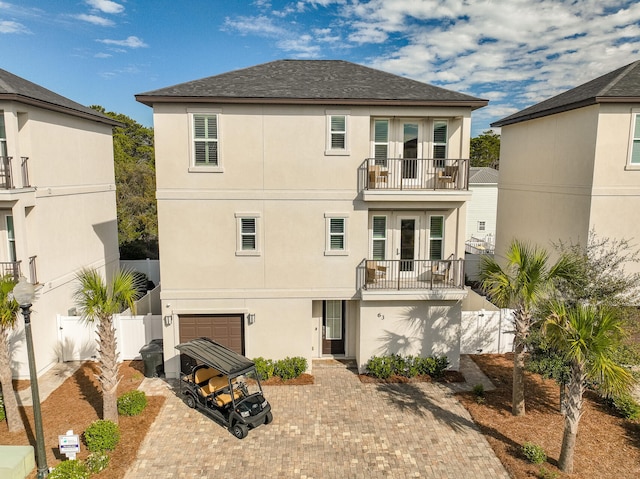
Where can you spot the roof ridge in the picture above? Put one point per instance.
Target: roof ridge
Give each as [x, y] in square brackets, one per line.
[612, 83]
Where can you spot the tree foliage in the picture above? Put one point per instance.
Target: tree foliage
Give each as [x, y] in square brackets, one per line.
[485, 150]
[98, 301]
[8, 318]
[134, 162]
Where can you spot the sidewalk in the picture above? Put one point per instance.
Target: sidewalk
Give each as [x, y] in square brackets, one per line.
[49, 382]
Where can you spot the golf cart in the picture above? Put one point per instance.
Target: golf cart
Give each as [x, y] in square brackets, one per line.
[223, 384]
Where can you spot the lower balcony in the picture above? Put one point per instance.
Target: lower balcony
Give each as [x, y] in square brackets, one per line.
[7, 166]
[411, 275]
[13, 270]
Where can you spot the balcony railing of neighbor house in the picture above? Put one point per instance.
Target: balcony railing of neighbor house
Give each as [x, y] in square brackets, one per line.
[6, 172]
[478, 246]
[33, 272]
[411, 274]
[413, 174]
[10, 269]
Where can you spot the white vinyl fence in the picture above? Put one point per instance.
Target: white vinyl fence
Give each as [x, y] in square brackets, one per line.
[150, 267]
[486, 331]
[77, 339]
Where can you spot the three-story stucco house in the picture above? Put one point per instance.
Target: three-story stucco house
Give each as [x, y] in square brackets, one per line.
[312, 208]
[571, 164]
[57, 205]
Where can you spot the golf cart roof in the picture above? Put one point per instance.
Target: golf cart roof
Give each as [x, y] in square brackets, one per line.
[216, 355]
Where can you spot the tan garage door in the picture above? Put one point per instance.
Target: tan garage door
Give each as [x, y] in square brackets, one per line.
[225, 329]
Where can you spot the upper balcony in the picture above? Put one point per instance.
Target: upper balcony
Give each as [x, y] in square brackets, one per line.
[7, 179]
[402, 179]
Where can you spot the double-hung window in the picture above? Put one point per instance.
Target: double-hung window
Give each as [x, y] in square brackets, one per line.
[248, 234]
[440, 137]
[379, 239]
[381, 141]
[205, 141]
[337, 133]
[436, 237]
[634, 153]
[336, 234]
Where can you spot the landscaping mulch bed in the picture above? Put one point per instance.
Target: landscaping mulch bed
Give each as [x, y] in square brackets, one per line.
[449, 377]
[608, 446]
[75, 405]
[301, 380]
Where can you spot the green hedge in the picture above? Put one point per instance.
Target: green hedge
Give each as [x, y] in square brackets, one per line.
[132, 403]
[102, 435]
[73, 469]
[383, 367]
[287, 368]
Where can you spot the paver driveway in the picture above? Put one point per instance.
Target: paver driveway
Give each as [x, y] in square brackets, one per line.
[336, 428]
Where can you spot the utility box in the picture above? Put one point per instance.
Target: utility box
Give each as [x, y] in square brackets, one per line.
[153, 359]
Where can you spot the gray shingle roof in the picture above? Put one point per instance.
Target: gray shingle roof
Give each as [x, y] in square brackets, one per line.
[482, 175]
[13, 87]
[621, 85]
[310, 81]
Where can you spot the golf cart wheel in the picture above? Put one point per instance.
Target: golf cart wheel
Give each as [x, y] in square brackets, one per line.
[190, 401]
[268, 418]
[239, 430]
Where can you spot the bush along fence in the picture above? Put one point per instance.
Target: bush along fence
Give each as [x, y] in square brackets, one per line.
[287, 368]
[383, 367]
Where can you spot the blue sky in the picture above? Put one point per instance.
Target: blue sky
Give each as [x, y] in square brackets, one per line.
[512, 52]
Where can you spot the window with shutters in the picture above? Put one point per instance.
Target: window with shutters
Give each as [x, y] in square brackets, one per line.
[436, 237]
[248, 234]
[205, 141]
[440, 137]
[381, 141]
[336, 234]
[3, 136]
[379, 237]
[482, 225]
[337, 133]
[634, 149]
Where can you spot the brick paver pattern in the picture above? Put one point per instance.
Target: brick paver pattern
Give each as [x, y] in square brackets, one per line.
[335, 428]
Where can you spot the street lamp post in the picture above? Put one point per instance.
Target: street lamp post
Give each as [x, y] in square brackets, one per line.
[24, 293]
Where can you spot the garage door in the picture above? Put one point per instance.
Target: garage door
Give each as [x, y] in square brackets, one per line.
[225, 329]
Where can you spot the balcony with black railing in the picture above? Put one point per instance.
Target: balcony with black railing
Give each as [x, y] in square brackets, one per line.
[415, 274]
[7, 178]
[413, 174]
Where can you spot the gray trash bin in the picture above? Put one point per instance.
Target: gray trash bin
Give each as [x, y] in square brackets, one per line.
[153, 359]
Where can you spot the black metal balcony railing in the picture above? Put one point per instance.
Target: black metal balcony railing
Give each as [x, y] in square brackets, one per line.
[410, 274]
[6, 172]
[413, 174]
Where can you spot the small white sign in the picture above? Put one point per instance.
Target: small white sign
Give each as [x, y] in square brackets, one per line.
[69, 444]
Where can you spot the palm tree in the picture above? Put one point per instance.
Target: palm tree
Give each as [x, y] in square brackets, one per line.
[8, 316]
[587, 337]
[524, 282]
[98, 302]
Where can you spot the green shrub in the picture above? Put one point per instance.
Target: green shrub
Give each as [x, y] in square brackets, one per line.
[534, 453]
[626, 406]
[73, 469]
[433, 366]
[102, 435]
[380, 367]
[546, 474]
[2, 412]
[132, 403]
[97, 461]
[264, 368]
[290, 368]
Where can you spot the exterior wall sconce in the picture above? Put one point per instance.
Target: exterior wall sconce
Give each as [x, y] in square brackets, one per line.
[168, 320]
[251, 317]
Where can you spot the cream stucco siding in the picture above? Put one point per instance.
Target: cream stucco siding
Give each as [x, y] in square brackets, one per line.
[65, 217]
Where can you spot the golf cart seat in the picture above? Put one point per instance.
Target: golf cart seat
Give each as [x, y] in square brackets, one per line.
[203, 376]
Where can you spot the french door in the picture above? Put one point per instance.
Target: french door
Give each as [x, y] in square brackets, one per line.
[410, 149]
[407, 244]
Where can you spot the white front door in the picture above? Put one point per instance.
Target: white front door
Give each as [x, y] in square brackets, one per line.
[407, 244]
[410, 149]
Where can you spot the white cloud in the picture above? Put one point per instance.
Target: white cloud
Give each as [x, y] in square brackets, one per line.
[259, 25]
[129, 42]
[7, 26]
[301, 47]
[105, 6]
[103, 55]
[95, 19]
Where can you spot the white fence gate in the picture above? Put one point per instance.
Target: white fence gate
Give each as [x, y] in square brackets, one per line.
[486, 332]
[77, 338]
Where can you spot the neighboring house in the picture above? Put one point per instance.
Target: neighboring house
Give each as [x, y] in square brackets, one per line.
[57, 204]
[481, 210]
[571, 164]
[312, 208]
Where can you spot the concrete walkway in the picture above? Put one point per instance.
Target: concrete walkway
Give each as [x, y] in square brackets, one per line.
[49, 382]
[335, 428]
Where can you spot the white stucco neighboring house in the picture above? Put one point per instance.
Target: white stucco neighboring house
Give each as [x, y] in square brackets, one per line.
[571, 164]
[481, 211]
[312, 208]
[57, 205]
